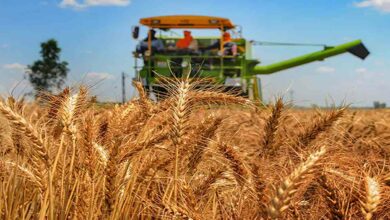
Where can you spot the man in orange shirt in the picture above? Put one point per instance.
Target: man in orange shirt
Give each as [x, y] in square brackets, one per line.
[185, 42]
[229, 47]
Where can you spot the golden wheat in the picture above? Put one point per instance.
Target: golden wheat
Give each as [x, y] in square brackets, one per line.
[196, 154]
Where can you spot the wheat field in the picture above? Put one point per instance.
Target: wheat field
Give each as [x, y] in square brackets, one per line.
[194, 155]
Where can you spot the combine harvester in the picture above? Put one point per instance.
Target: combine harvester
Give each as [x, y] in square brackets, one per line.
[236, 71]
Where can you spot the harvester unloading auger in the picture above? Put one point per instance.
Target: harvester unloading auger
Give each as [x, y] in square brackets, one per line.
[232, 66]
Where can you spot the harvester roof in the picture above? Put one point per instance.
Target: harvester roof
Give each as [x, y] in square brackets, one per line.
[187, 22]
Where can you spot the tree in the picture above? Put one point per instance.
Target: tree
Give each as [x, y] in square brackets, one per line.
[50, 72]
[378, 104]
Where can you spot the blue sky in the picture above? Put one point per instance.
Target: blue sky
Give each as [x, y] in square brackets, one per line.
[95, 38]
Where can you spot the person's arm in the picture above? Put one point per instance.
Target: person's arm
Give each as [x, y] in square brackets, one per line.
[234, 49]
[158, 45]
[141, 47]
[215, 45]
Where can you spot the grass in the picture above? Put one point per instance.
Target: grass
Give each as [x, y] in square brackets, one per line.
[194, 155]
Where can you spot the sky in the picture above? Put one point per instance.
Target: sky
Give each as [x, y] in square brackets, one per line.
[95, 37]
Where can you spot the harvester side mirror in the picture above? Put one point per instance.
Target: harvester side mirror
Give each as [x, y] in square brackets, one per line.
[135, 32]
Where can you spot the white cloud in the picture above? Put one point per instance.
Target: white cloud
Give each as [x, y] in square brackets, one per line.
[366, 74]
[108, 2]
[382, 5]
[15, 66]
[76, 4]
[71, 3]
[325, 69]
[361, 70]
[87, 52]
[99, 76]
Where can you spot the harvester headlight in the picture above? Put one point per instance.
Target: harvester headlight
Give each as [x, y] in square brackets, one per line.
[214, 21]
[155, 21]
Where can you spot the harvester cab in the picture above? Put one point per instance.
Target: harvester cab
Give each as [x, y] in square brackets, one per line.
[222, 59]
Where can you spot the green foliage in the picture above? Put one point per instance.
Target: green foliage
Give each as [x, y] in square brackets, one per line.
[378, 104]
[49, 72]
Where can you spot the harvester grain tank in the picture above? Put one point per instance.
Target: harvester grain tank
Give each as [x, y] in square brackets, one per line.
[236, 71]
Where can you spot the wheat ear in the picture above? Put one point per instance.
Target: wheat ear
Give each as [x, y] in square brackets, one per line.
[208, 129]
[272, 126]
[71, 109]
[236, 163]
[111, 171]
[373, 197]
[319, 126]
[55, 103]
[102, 152]
[143, 97]
[175, 213]
[39, 153]
[218, 98]
[288, 187]
[206, 185]
[180, 119]
[332, 199]
[10, 165]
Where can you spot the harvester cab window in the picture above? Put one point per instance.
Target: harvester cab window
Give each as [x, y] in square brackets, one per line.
[193, 43]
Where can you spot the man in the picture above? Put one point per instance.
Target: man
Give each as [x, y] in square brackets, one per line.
[157, 44]
[185, 42]
[229, 47]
